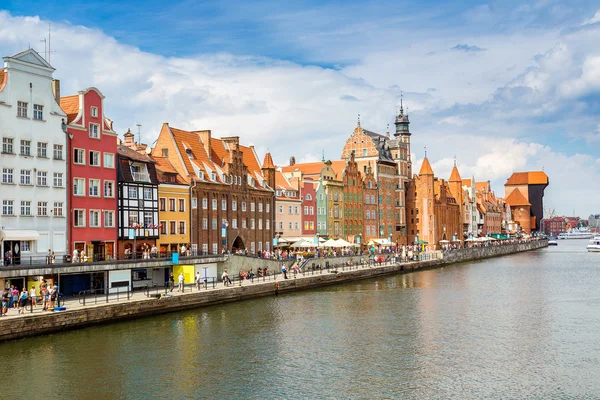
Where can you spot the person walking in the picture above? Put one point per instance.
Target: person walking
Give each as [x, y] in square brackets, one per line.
[225, 278]
[5, 301]
[198, 280]
[8, 258]
[33, 296]
[23, 300]
[15, 297]
[171, 282]
[284, 270]
[180, 280]
[49, 257]
[45, 298]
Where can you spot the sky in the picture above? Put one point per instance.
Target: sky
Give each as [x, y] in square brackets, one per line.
[503, 86]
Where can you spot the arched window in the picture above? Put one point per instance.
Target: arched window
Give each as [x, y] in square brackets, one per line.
[308, 197]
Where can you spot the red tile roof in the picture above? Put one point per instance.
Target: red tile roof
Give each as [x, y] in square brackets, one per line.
[3, 78]
[426, 168]
[528, 178]
[516, 198]
[268, 162]
[313, 169]
[70, 105]
[163, 165]
[455, 176]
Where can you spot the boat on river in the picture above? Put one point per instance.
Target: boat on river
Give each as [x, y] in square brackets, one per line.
[579, 233]
[594, 245]
[552, 243]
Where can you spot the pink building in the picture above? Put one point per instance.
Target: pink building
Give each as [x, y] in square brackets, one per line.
[309, 207]
[92, 175]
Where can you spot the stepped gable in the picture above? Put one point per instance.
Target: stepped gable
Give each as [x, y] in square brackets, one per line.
[268, 161]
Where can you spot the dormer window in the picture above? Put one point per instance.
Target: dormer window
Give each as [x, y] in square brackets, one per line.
[213, 176]
[94, 112]
[189, 153]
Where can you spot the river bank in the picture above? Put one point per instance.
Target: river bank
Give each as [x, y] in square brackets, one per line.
[38, 324]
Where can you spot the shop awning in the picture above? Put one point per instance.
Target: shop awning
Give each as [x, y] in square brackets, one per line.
[18, 235]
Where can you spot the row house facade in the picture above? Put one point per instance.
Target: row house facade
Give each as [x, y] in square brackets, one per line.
[370, 207]
[92, 175]
[308, 195]
[137, 194]
[173, 208]
[288, 207]
[353, 201]
[33, 186]
[232, 194]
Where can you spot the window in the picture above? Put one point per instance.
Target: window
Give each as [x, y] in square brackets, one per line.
[215, 248]
[95, 131]
[7, 175]
[42, 150]
[224, 204]
[234, 223]
[25, 147]
[94, 112]
[252, 223]
[109, 219]
[260, 207]
[267, 224]
[133, 219]
[132, 192]
[214, 223]
[311, 210]
[233, 205]
[94, 188]
[42, 178]
[305, 210]
[243, 206]
[21, 109]
[296, 226]
[171, 204]
[57, 179]
[95, 158]
[79, 218]
[214, 204]
[78, 186]
[8, 207]
[204, 203]
[205, 223]
[42, 208]
[25, 177]
[163, 227]
[194, 203]
[280, 209]
[58, 209]
[78, 156]
[244, 223]
[109, 160]
[109, 189]
[281, 226]
[7, 145]
[94, 219]
[291, 225]
[38, 112]
[289, 209]
[172, 226]
[252, 205]
[25, 208]
[58, 152]
[162, 204]
[260, 224]
[182, 227]
[148, 218]
[267, 207]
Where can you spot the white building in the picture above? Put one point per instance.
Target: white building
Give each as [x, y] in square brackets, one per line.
[33, 163]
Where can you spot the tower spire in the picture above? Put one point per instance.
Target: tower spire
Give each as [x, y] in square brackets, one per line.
[358, 123]
[323, 155]
[425, 151]
[401, 107]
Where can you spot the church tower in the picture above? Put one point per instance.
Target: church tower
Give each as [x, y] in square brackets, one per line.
[402, 134]
[455, 185]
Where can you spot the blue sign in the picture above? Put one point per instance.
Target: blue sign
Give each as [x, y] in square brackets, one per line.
[274, 241]
[358, 240]
[131, 234]
[175, 258]
[223, 232]
[316, 240]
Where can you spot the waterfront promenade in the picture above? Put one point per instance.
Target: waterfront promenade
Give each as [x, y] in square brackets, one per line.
[129, 305]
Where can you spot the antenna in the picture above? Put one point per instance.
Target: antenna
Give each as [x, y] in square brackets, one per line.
[45, 48]
[49, 42]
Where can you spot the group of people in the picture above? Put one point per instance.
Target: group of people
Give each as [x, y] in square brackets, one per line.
[18, 300]
[251, 275]
[151, 251]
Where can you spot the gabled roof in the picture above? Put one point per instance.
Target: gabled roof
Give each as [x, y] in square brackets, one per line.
[455, 176]
[268, 162]
[528, 178]
[30, 56]
[516, 198]
[426, 168]
[125, 151]
[70, 105]
[466, 182]
[164, 166]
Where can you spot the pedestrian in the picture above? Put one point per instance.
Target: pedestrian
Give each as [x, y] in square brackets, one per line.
[23, 300]
[15, 297]
[53, 258]
[284, 270]
[49, 257]
[225, 278]
[180, 280]
[171, 282]
[198, 280]
[75, 256]
[154, 251]
[182, 250]
[8, 258]
[52, 297]
[45, 298]
[5, 302]
[33, 296]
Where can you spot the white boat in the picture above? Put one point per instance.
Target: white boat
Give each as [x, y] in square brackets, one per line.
[552, 243]
[579, 233]
[594, 245]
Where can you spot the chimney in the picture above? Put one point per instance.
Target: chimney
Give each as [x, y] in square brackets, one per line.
[56, 90]
[292, 161]
[205, 138]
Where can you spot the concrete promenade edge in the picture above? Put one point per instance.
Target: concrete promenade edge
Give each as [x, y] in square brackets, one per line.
[78, 316]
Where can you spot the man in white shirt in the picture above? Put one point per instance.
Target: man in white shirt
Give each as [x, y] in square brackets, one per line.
[180, 280]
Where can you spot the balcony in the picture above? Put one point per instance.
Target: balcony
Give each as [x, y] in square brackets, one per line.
[140, 176]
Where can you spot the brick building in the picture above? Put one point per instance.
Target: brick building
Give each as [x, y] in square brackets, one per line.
[554, 226]
[353, 201]
[233, 203]
[288, 207]
[531, 186]
[370, 207]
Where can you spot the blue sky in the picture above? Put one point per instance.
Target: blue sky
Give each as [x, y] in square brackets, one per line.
[504, 85]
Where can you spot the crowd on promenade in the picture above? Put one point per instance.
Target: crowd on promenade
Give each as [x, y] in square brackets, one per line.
[45, 296]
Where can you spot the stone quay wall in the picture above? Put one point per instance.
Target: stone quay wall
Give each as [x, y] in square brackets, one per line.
[33, 325]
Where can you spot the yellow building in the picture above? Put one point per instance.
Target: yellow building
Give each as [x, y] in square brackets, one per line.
[173, 208]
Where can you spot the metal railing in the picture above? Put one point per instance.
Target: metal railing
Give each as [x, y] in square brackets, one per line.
[104, 295]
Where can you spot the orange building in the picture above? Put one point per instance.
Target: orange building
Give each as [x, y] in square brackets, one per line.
[531, 186]
[433, 213]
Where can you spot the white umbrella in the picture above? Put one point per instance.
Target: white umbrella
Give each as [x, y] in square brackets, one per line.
[329, 243]
[299, 243]
[343, 243]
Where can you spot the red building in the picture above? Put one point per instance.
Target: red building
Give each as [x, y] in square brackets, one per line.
[92, 175]
[309, 206]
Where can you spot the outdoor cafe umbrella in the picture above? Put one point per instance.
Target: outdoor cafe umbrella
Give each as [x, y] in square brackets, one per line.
[299, 243]
[329, 243]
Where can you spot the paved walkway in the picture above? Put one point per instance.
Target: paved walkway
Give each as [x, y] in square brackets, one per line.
[76, 302]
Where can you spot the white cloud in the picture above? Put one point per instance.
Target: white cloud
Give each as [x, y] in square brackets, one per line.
[593, 20]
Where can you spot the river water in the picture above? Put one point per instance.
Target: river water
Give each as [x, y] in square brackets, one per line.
[525, 326]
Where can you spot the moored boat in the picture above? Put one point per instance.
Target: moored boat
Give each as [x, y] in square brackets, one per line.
[579, 233]
[594, 245]
[552, 243]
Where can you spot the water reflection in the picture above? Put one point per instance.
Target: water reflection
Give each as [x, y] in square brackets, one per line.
[512, 327]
